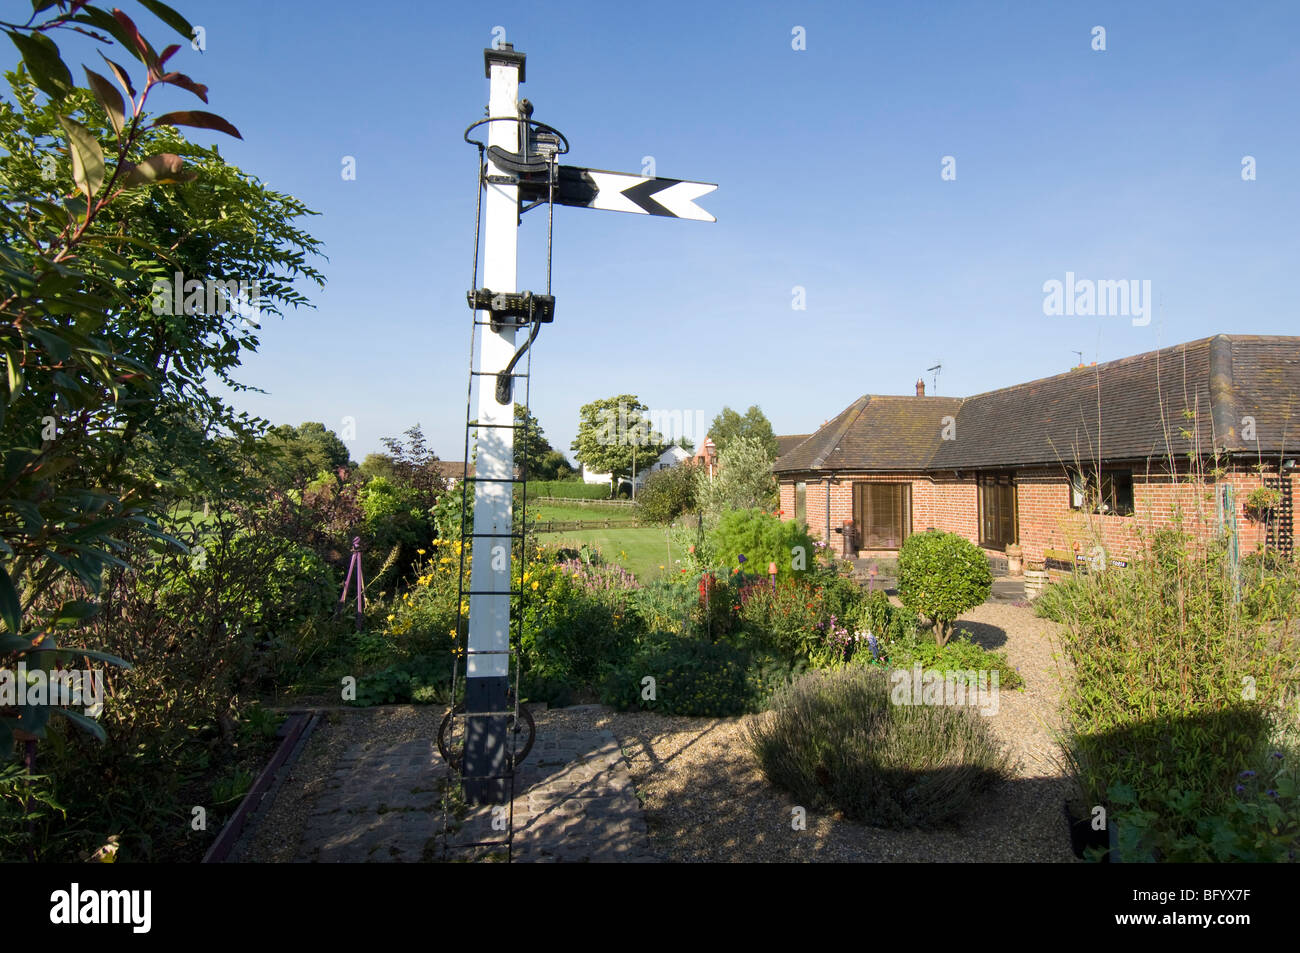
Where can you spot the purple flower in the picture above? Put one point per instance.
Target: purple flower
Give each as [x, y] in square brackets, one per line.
[1276, 754]
[1271, 793]
[874, 646]
[742, 558]
[1241, 789]
[1246, 774]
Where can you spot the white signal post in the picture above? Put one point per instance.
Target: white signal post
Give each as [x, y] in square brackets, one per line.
[485, 768]
[487, 660]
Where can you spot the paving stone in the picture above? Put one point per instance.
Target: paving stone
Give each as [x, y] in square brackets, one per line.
[574, 802]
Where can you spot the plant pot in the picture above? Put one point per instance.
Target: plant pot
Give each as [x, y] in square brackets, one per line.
[1015, 560]
[1082, 836]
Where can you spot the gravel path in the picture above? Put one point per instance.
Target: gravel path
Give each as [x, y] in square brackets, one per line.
[707, 800]
[704, 797]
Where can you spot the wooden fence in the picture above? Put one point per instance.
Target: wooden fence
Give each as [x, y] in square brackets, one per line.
[565, 526]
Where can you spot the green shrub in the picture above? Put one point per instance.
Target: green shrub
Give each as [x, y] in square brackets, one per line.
[717, 610]
[1259, 823]
[942, 575]
[762, 539]
[394, 514]
[667, 494]
[886, 621]
[664, 605]
[424, 680]
[834, 739]
[1176, 686]
[696, 677]
[956, 656]
[1057, 601]
[784, 622]
[567, 490]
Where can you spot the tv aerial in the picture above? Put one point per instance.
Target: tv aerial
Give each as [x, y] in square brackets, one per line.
[934, 381]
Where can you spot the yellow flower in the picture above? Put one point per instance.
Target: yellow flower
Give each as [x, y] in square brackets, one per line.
[391, 618]
[420, 551]
[534, 587]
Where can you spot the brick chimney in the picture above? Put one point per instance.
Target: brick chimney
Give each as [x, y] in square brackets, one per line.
[920, 387]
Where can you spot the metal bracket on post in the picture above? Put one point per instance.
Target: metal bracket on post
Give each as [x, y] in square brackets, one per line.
[522, 307]
[513, 309]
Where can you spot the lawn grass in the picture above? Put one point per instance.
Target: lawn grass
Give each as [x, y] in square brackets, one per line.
[640, 551]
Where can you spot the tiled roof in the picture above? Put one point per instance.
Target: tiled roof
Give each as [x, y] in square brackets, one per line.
[1166, 401]
[894, 433]
[787, 442]
[453, 469]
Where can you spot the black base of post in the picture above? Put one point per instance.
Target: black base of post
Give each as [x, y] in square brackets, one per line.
[484, 767]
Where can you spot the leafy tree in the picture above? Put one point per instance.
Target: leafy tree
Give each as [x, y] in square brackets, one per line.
[729, 425]
[667, 494]
[531, 445]
[415, 465]
[308, 450]
[743, 480]
[613, 434]
[553, 465]
[377, 464]
[109, 393]
[942, 575]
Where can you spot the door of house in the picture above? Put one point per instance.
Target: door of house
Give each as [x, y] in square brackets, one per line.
[882, 514]
[997, 510]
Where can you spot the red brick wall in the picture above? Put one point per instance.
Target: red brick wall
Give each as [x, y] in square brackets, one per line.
[938, 501]
[1045, 520]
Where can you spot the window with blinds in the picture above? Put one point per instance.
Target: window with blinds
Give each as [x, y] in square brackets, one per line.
[882, 514]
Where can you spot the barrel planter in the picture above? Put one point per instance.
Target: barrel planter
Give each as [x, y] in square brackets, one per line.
[1035, 581]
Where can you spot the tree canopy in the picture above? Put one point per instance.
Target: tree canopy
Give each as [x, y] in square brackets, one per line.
[306, 451]
[613, 433]
[729, 425]
[112, 403]
[743, 481]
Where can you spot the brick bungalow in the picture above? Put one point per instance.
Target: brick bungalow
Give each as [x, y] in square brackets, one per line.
[1098, 453]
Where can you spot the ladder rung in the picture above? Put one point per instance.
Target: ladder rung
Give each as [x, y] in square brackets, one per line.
[488, 652]
[497, 535]
[493, 374]
[475, 423]
[493, 592]
[495, 480]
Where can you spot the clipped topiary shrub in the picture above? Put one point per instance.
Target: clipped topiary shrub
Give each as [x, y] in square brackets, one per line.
[835, 739]
[940, 576]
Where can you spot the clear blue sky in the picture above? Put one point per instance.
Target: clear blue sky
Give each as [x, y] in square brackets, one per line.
[1122, 164]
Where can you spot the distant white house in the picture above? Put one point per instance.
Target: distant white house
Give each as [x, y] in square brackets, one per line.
[669, 458]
